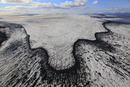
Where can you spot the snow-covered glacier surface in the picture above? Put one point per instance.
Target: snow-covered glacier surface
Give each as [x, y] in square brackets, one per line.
[63, 50]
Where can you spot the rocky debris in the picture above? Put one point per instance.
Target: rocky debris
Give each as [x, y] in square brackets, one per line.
[103, 62]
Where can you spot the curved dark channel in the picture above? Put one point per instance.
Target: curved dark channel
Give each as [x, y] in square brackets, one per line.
[3, 37]
[98, 42]
[44, 73]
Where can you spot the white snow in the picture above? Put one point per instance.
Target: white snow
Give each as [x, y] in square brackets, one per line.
[57, 34]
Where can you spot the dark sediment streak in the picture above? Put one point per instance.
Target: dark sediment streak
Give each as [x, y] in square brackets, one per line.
[3, 37]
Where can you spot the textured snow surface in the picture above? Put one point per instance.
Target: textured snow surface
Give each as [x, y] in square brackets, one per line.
[64, 51]
[58, 33]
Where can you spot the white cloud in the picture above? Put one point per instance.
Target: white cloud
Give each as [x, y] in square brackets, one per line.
[33, 6]
[44, 5]
[17, 1]
[76, 3]
[95, 2]
[18, 7]
[80, 1]
[66, 4]
[71, 4]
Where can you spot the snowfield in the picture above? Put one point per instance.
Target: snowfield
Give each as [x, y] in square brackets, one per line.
[57, 34]
[64, 50]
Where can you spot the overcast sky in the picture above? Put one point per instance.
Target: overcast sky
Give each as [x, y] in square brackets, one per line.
[64, 6]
